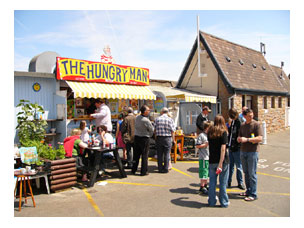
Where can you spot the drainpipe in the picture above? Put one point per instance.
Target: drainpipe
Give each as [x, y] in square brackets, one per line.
[264, 133]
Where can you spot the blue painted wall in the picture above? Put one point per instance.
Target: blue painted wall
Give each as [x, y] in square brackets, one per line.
[46, 97]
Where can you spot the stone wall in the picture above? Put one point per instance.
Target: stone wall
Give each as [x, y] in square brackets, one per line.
[274, 117]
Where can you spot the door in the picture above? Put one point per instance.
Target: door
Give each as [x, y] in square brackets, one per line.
[188, 116]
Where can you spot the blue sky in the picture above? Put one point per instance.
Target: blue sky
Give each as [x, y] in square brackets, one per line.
[159, 40]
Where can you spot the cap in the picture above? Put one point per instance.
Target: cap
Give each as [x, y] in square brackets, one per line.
[206, 108]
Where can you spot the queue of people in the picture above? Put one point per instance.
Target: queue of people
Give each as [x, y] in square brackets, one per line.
[221, 146]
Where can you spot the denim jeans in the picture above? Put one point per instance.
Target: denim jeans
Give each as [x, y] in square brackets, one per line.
[249, 162]
[223, 178]
[129, 146]
[235, 159]
[163, 146]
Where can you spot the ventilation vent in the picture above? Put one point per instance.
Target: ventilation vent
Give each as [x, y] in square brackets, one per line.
[254, 66]
[228, 59]
[241, 62]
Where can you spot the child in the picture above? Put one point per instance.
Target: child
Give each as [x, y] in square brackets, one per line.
[202, 145]
[85, 131]
[105, 138]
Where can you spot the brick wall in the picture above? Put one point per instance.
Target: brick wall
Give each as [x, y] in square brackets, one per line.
[274, 117]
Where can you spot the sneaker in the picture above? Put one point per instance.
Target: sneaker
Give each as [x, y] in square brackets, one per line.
[241, 186]
[203, 191]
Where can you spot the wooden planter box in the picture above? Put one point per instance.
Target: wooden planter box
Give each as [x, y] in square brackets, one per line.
[63, 174]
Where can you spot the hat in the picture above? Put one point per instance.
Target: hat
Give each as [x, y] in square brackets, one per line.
[206, 108]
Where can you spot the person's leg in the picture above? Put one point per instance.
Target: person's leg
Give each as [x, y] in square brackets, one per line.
[160, 156]
[137, 153]
[212, 184]
[144, 158]
[231, 167]
[129, 154]
[239, 169]
[244, 160]
[252, 167]
[223, 178]
[166, 150]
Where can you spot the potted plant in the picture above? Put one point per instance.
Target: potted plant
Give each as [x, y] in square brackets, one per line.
[30, 126]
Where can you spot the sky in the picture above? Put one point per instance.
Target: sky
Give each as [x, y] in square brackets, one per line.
[159, 40]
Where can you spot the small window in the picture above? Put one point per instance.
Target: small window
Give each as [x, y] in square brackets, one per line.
[228, 59]
[265, 102]
[241, 62]
[254, 66]
[264, 68]
[273, 102]
[280, 102]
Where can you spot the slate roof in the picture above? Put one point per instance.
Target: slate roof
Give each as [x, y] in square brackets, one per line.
[282, 77]
[239, 78]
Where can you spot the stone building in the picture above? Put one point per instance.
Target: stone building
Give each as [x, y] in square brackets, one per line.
[238, 76]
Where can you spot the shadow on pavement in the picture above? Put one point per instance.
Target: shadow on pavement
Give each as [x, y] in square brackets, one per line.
[191, 204]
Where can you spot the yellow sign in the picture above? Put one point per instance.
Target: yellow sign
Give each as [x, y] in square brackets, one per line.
[82, 70]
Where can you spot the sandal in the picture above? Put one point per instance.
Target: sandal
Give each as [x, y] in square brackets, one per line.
[249, 198]
[243, 194]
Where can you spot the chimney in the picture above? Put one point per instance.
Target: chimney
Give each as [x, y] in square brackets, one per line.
[282, 64]
[262, 46]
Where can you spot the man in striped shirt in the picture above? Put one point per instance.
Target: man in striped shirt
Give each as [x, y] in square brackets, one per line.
[164, 131]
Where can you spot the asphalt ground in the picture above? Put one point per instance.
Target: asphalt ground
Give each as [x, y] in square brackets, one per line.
[171, 195]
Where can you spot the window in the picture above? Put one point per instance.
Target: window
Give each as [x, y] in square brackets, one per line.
[191, 117]
[273, 102]
[265, 102]
[241, 62]
[288, 102]
[254, 65]
[280, 102]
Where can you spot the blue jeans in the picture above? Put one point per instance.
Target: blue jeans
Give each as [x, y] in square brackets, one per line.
[163, 146]
[235, 159]
[249, 162]
[223, 177]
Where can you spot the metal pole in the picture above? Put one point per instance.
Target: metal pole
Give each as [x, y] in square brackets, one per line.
[264, 133]
[198, 48]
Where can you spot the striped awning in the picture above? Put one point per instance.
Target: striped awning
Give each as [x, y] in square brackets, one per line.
[183, 94]
[103, 90]
[191, 98]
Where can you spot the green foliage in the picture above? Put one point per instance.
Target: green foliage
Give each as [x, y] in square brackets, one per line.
[29, 127]
[46, 151]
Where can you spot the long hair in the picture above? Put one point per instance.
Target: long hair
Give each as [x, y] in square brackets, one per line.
[219, 127]
[82, 124]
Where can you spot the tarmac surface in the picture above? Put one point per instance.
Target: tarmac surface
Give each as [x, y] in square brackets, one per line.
[174, 194]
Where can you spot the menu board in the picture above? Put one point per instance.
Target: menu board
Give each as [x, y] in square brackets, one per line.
[159, 104]
[113, 105]
[123, 105]
[134, 104]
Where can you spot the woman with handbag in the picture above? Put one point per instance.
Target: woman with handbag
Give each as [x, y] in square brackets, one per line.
[218, 162]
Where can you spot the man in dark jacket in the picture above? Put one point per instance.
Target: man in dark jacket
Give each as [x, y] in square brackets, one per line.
[128, 132]
[234, 149]
[202, 117]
